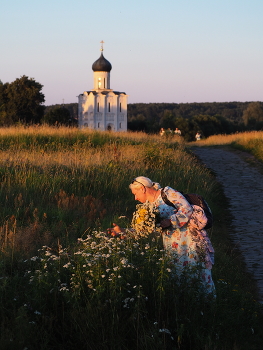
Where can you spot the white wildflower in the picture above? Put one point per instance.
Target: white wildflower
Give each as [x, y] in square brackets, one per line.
[164, 330]
[34, 258]
[67, 265]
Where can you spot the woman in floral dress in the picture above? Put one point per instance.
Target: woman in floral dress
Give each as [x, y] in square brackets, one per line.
[182, 227]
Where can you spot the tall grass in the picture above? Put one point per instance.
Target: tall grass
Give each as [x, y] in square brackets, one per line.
[65, 284]
[246, 141]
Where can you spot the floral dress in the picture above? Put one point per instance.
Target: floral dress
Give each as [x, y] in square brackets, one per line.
[186, 239]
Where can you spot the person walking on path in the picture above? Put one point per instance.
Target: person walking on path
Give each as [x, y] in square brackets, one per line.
[198, 136]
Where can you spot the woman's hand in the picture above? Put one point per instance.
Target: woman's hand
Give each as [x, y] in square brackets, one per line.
[116, 228]
[115, 231]
[165, 223]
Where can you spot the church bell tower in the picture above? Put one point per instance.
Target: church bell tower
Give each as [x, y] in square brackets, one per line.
[102, 108]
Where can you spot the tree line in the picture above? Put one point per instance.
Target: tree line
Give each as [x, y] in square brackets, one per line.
[206, 118]
[22, 101]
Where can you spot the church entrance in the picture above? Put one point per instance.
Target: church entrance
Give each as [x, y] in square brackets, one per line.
[110, 127]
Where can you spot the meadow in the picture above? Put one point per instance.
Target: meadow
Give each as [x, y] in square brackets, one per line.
[66, 284]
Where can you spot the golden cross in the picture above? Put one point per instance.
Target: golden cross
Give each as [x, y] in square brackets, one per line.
[102, 42]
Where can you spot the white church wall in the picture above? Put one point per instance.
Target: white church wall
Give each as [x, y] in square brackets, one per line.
[110, 114]
[102, 108]
[122, 112]
[99, 119]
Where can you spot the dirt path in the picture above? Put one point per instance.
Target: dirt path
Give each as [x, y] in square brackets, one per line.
[243, 186]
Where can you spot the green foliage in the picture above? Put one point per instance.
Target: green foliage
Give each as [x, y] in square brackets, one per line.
[58, 116]
[253, 116]
[152, 116]
[168, 120]
[159, 114]
[21, 101]
[211, 125]
[207, 118]
[71, 107]
[204, 124]
[90, 291]
[254, 146]
[138, 123]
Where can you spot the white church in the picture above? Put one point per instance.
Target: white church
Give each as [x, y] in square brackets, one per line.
[102, 108]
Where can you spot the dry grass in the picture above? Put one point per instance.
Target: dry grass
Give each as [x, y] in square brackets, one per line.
[56, 189]
[247, 141]
[64, 131]
[79, 154]
[215, 140]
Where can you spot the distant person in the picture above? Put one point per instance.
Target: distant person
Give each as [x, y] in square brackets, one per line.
[169, 133]
[198, 136]
[162, 132]
[177, 131]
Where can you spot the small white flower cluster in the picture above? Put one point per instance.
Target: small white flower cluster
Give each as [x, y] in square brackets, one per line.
[98, 266]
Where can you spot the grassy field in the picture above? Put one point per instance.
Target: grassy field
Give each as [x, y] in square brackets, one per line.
[65, 284]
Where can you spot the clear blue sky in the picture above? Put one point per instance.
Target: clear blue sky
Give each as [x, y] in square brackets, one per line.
[160, 51]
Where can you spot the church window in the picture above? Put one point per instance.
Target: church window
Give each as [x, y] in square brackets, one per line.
[98, 125]
[98, 107]
[120, 125]
[109, 106]
[120, 107]
[99, 83]
[104, 83]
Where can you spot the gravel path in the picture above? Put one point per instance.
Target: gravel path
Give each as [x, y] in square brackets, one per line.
[243, 186]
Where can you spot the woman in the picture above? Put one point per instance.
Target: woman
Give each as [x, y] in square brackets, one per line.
[182, 224]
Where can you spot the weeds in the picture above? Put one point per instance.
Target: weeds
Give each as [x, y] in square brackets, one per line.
[65, 284]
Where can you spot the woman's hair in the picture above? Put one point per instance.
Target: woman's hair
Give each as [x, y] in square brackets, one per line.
[144, 181]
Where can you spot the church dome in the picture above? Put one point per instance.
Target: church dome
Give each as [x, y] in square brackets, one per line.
[101, 65]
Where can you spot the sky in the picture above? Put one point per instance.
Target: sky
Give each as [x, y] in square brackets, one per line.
[175, 51]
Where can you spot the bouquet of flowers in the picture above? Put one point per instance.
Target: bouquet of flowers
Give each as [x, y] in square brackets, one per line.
[145, 219]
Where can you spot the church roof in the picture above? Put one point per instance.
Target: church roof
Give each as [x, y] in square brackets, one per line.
[105, 92]
[101, 65]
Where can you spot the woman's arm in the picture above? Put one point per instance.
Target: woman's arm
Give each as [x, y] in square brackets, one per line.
[183, 210]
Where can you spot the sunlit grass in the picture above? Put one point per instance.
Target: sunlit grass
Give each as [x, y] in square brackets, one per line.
[35, 133]
[61, 188]
[246, 141]
[243, 137]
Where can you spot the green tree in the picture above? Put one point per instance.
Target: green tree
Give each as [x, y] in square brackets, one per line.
[58, 116]
[167, 120]
[183, 124]
[137, 123]
[2, 104]
[22, 101]
[253, 115]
